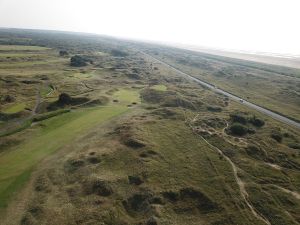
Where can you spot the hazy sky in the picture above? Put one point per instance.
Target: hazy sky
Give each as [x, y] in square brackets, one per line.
[256, 25]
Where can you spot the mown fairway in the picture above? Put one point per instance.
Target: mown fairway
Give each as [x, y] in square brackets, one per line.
[17, 163]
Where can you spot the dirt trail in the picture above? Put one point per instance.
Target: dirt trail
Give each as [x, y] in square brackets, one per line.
[38, 101]
[275, 166]
[241, 184]
[293, 193]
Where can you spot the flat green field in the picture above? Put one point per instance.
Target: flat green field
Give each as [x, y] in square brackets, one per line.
[159, 87]
[127, 96]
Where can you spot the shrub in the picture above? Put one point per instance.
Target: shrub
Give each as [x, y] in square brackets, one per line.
[214, 108]
[294, 145]
[94, 159]
[256, 121]
[139, 202]
[98, 186]
[8, 98]
[64, 99]
[119, 53]
[276, 136]
[238, 129]
[135, 180]
[134, 143]
[63, 53]
[178, 101]
[171, 195]
[255, 152]
[78, 61]
[238, 118]
[152, 96]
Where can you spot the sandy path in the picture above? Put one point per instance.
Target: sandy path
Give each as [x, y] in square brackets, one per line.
[240, 183]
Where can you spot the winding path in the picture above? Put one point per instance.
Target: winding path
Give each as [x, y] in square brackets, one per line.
[240, 183]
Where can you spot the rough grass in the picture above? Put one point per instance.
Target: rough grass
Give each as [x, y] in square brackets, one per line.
[55, 133]
[48, 115]
[269, 88]
[15, 108]
[175, 163]
[23, 125]
[150, 166]
[21, 48]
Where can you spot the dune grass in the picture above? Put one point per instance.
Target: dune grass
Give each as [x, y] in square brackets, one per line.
[16, 164]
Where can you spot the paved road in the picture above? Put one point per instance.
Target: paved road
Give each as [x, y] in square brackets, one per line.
[233, 97]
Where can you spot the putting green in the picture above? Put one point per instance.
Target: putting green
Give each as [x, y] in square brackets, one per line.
[126, 96]
[159, 87]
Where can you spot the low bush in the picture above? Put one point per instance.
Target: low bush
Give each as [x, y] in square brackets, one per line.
[255, 152]
[66, 100]
[133, 142]
[118, 53]
[8, 99]
[214, 108]
[177, 101]
[256, 121]
[63, 53]
[238, 118]
[277, 136]
[294, 145]
[25, 124]
[135, 180]
[243, 119]
[10, 116]
[152, 96]
[95, 185]
[78, 61]
[238, 129]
